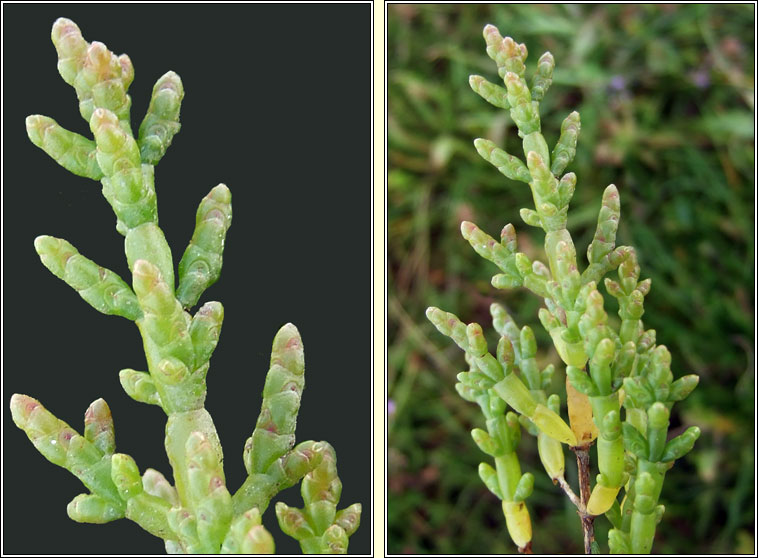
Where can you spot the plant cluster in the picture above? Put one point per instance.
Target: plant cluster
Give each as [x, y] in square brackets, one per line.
[607, 369]
[198, 513]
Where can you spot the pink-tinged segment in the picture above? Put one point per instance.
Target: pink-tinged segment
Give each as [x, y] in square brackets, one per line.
[22, 407]
[67, 37]
[468, 229]
[146, 274]
[287, 350]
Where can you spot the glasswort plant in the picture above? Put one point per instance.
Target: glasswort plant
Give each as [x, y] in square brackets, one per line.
[606, 369]
[197, 514]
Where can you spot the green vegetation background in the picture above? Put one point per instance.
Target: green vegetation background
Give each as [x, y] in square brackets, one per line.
[666, 95]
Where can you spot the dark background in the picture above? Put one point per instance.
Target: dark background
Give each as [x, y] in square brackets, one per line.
[278, 107]
[666, 96]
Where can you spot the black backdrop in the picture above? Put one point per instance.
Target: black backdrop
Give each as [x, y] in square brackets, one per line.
[278, 107]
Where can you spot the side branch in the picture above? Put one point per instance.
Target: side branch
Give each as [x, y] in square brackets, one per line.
[560, 481]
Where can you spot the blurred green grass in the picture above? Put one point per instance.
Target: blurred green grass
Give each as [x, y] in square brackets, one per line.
[666, 97]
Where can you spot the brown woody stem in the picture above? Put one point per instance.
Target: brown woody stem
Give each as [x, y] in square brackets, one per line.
[588, 521]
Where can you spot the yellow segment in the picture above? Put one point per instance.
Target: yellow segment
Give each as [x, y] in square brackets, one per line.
[572, 354]
[602, 499]
[553, 425]
[551, 455]
[580, 415]
[518, 522]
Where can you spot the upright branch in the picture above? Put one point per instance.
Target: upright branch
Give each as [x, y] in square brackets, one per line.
[197, 514]
[603, 364]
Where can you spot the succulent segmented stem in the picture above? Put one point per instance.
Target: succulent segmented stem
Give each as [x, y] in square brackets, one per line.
[632, 448]
[200, 265]
[197, 514]
[89, 461]
[319, 527]
[161, 123]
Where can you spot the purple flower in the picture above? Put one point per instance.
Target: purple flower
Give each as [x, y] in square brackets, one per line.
[391, 407]
[618, 83]
[701, 78]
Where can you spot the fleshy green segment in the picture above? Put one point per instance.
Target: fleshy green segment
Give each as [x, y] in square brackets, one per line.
[646, 512]
[630, 293]
[99, 77]
[73, 152]
[543, 77]
[128, 184]
[649, 397]
[512, 167]
[610, 452]
[500, 441]
[98, 427]
[602, 255]
[148, 511]
[319, 527]
[259, 488]
[89, 508]
[198, 515]
[200, 265]
[147, 243]
[101, 80]
[493, 94]
[274, 433]
[607, 367]
[270, 459]
[207, 493]
[607, 223]
[517, 269]
[577, 323]
[101, 288]
[139, 386]
[61, 445]
[503, 433]
[512, 390]
[179, 383]
[499, 374]
[524, 346]
[507, 54]
[205, 330]
[155, 484]
[161, 122]
[247, 536]
[565, 150]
